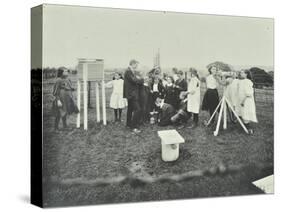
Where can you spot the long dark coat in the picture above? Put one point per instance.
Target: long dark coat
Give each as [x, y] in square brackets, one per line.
[159, 94]
[182, 86]
[145, 102]
[131, 85]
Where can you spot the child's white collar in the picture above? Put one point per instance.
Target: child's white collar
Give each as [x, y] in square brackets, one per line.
[161, 103]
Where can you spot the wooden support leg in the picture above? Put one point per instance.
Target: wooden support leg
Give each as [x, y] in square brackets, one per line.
[78, 119]
[97, 102]
[239, 120]
[216, 132]
[103, 104]
[214, 113]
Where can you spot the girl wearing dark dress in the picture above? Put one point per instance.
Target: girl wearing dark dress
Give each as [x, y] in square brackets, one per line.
[211, 97]
[180, 85]
[170, 92]
[145, 100]
[63, 104]
[157, 90]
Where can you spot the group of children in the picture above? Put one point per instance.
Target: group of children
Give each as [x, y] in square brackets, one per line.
[167, 89]
[175, 100]
[187, 100]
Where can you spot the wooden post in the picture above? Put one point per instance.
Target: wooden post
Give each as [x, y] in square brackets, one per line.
[78, 120]
[97, 102]
[103, 103]
[89, 94]
[85, 96]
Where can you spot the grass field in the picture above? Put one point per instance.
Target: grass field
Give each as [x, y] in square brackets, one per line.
[112, 150]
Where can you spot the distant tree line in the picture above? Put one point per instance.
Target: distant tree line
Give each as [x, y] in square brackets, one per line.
[49, 73]
[221, 66]
[260, 77]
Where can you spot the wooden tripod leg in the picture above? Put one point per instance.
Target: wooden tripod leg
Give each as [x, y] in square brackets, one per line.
[239, 120]
[214, 113]
[224, 115]
[216, 132]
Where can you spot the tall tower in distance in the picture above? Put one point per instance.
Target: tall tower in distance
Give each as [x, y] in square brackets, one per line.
[156, 59]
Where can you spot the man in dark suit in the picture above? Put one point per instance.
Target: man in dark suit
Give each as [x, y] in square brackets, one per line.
[132, 83]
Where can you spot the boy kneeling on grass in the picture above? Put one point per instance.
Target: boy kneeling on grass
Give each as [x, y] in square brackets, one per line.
[168, 115]
[167, 111]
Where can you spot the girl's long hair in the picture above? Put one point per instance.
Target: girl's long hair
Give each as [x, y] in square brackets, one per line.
[210, 68]
[120, 75]
[195, 72]
[248, 74]
[172, 79]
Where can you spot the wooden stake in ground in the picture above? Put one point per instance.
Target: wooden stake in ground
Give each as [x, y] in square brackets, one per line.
[85, 95]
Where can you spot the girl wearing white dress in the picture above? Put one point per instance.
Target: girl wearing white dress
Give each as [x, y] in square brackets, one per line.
[117, 101]
[193, 97]
[246, 107]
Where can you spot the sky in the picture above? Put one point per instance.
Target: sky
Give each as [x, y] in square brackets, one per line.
[184, 40]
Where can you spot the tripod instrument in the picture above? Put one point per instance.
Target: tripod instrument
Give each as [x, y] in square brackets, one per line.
[223, 104]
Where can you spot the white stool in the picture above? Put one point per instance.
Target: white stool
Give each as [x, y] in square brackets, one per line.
[170, 140]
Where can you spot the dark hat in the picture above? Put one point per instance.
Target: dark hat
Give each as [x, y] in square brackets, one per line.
[133, 61]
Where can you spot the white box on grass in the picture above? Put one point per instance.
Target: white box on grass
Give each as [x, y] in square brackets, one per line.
[170, 140]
